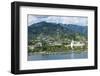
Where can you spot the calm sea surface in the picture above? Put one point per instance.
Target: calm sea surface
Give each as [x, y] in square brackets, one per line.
[68, 55]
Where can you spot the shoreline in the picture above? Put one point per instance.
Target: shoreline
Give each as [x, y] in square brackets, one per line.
[53, 53]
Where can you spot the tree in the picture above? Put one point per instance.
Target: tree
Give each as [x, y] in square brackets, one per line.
[44, 45]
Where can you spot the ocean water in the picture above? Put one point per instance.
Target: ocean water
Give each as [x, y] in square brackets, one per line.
[58, 56]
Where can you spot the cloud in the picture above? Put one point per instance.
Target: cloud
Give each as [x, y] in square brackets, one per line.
[58, 19]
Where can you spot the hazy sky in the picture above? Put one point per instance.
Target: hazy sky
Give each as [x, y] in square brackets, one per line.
[83, 21]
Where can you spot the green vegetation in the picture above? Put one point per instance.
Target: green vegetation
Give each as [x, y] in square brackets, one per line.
[49, 38]
[47, 48]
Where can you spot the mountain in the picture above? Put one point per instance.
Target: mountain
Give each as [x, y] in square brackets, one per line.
[53, 29]
[77, 28]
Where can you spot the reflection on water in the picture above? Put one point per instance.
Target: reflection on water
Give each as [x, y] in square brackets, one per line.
[67, 55]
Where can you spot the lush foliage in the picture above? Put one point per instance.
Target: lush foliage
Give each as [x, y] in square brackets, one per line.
[44, 37]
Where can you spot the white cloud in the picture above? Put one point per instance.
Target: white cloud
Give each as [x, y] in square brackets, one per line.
[31, 19]
[58, 19]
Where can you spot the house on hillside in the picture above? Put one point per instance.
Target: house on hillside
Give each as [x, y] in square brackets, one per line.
[38, 44]
[75, 44]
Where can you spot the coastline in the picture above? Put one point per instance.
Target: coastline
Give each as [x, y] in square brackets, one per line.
[54, 53]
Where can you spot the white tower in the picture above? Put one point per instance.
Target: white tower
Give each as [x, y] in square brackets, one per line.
[72, 44]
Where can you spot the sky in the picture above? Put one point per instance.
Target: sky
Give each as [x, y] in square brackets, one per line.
[82, 21]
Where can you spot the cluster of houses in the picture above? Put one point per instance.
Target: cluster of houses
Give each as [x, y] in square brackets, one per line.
[52, 42]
